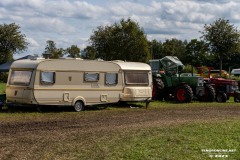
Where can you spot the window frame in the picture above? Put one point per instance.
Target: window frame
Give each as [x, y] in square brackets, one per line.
[116, 78]
[132, 73]
[45, 82]
[21, 83]
[91, 73]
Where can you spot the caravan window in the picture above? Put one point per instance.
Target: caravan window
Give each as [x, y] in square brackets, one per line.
[111, 78]
[91, 77]
[21, 78]
[136, 78]
[47, 77]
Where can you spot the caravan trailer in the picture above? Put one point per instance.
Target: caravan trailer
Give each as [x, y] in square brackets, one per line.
[235, 72]
[77, 82]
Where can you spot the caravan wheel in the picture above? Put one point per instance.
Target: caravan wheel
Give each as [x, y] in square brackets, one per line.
[78, 106]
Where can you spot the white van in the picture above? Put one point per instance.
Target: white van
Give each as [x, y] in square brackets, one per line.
[235, 72]
[77, 82]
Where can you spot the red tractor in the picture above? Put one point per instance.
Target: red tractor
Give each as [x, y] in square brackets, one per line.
[225, 88]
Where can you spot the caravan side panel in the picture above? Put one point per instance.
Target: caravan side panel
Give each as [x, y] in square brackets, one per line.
[69, 85]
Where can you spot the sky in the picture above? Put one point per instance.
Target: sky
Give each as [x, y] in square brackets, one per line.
[72, 22]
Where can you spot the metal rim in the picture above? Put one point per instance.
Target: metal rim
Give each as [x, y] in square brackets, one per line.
[78, 106]
[181, 94]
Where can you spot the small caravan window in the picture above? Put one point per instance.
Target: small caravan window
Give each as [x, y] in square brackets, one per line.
[47, 77]
[136, 78]
[21, 78]
[111, 78]
[91, 77]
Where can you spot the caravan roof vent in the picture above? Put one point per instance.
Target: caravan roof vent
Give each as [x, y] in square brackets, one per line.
[36, 58]
[118, 61]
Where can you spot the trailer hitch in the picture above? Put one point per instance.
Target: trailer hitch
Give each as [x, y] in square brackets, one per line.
[147, 102]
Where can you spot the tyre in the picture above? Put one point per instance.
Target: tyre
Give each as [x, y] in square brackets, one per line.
[209, 95]
[221, 97]
[236, 99]
[78, 106]
[183, 94]
[158, 87]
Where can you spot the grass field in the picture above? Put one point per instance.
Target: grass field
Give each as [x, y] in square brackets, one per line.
[2, 87]
[164, 131]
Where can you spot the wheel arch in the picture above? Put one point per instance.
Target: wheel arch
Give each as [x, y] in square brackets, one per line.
[182, 83]
[79, 98]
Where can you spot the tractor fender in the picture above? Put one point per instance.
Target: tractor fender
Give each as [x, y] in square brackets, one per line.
[157, 76]
[182, 83]
[208, 83]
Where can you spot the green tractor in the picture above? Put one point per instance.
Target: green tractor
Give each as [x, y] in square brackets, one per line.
[170, 83]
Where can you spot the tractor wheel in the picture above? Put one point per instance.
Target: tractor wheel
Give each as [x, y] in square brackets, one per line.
[158, 86]
[209, 95]
[221, 97]
[237, 99]
[183, 94]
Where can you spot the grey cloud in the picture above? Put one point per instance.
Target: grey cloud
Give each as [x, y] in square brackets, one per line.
[71, 21]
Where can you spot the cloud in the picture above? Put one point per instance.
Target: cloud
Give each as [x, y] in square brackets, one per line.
[47, 24]
[32, 42]
[70, 22]
[176, 17]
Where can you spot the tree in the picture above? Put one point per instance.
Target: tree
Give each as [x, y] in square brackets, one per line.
[11, 41]
[89, 53]
[51, 51]
[175, 47]
[73, 51]
[156, 49]
[123, 41]
[223, 39]
[196, 52]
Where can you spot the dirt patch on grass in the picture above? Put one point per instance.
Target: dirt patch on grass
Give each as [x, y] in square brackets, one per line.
[44, 135]
[110, 120]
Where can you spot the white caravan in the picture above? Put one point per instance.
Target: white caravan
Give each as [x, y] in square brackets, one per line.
[77, 82]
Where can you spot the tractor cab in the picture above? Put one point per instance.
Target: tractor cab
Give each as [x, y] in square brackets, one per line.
[168, 65]
[172, 65]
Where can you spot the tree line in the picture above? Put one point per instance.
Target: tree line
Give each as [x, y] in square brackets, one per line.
[218, 47]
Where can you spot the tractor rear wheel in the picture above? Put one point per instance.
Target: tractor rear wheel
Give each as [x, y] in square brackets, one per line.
[157, 91]
[183, 94]
[221, 97]
[209, 95]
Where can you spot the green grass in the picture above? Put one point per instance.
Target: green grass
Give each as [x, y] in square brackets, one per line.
[2, 87]
[184, 142]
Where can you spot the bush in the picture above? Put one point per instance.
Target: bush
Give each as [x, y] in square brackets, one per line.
[189, 69]
[3, 77]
